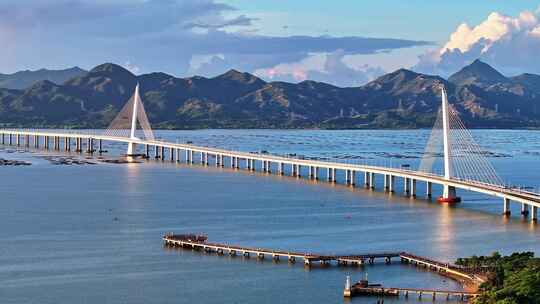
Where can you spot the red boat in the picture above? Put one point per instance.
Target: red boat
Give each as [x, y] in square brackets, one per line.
[448, 200]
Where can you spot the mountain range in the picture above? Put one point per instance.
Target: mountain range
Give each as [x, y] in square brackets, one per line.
[402, 99]
[23, 79]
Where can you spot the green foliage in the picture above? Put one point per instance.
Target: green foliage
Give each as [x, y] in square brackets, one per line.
[511, 279]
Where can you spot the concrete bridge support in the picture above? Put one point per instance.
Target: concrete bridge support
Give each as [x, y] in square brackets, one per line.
[429, 189]
[449, 191]
[281, 169]
[534, 213]
[506, 206]
[156, 152]
[407, 186]
[413, 187]
[316, 173]
[372, 180]
[367, 181]
[328, 174]
[171, 154]
[524, 209]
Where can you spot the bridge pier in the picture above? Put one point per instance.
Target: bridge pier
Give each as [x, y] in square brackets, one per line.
[179, 155]
[372, 180]
[534, 213]
[27, 141]
[524, 209]
[429, 189]
[367, 181]
[407, 186]
[506, 206]
[449, 191]
[281, 168]
[328, 174]
[162, 152]
[413, 187]
[316, 173]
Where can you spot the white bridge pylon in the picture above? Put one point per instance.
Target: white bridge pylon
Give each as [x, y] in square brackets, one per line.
[125, 123]
[463, 159]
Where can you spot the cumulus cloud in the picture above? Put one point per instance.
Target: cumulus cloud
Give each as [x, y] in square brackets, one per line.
[511, 44]
[159, 35]
[324, 67]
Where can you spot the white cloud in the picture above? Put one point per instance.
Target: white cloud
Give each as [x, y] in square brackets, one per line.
[509, 43]
[325, 67]
[172, 36]
[132, 68]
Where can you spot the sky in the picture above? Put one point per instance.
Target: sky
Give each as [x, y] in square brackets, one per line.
[346, 43]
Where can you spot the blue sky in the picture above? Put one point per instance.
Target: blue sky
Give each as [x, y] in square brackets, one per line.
[344, 42]
[410, 19]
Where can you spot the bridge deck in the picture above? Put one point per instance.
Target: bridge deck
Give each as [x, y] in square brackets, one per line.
[514, 194]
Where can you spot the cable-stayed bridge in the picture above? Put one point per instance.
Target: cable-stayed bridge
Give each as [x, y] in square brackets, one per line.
[465, 164]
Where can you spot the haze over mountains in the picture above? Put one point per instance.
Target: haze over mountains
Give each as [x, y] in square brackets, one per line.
[401, 99]
[24, 79]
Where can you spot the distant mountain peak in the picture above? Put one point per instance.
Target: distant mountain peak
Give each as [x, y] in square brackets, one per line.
[238, 76]
[109, 68]
[478, 73]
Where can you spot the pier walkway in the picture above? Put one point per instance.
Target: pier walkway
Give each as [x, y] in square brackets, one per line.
[358, 289]
[199, 242]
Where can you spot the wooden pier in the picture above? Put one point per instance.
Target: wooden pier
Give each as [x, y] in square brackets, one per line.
[199, 242]
[377, 290]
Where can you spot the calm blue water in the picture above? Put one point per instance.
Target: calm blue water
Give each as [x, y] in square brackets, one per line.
[92, 233]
